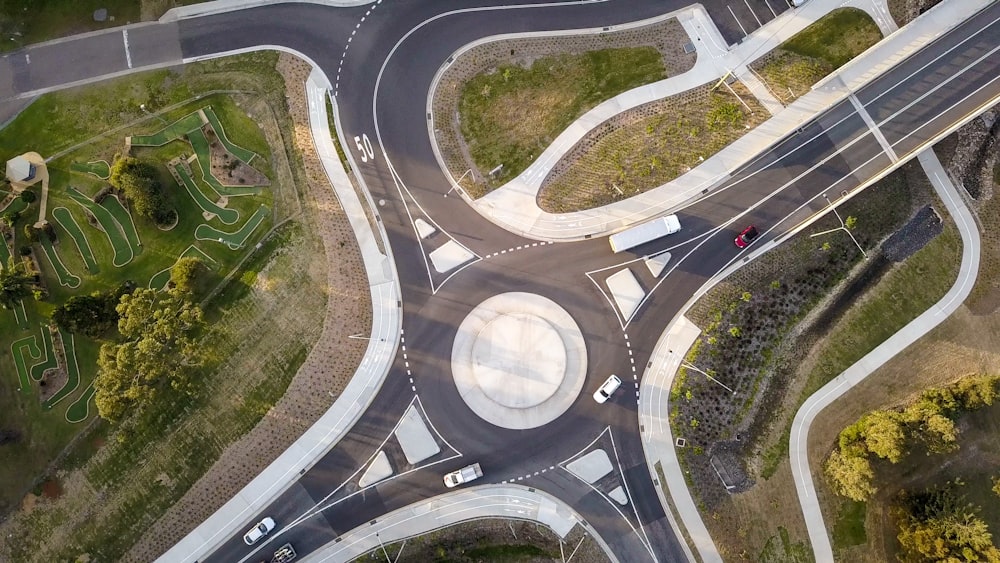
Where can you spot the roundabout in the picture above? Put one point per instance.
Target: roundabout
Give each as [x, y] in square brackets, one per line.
[519, 360]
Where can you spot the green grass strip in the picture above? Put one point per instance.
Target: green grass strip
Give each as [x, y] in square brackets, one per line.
[98, 168]
[227, 216]
[49, 360]
[160, 279]
[66, 277]
[80, 409]
[120, 245]
[199, 143]
[15, 205]
[124, 218]
[5, 253]
[21, 316]
[17, 350]
[239, 152]
[171, 132]
[69, 224]
[72, 372]
[235, 240]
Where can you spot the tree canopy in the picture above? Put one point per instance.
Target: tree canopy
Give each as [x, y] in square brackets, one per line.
[92, 315]
[15, 283]
[158, 351]
[186, 273]
[940, 525]
[139, 181]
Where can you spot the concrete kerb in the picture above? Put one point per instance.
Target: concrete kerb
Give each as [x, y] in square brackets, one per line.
[222, 6]
[472, 503]
[360, 391]
[938, 313]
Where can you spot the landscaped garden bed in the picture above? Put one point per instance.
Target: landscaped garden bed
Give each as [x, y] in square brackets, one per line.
[502, 103]
[780, 328]
[790, 70]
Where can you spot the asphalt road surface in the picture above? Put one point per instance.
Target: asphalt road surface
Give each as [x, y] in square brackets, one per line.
[381, 84]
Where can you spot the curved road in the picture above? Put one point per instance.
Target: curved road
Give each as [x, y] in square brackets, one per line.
[382, 67]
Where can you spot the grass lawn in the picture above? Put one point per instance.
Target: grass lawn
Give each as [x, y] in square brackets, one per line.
[816, 51]
[510, 116]
[625, 161]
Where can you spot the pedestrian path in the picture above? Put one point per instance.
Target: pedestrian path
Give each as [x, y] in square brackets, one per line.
[223, 6]
[799, 440]
[471, 503]
[514, 205]
[232, 517]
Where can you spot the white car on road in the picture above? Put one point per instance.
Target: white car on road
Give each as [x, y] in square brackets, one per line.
[260, 530]
[607, 389]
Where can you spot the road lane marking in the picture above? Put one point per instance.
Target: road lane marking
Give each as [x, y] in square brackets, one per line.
[128, 55]
[876, 132]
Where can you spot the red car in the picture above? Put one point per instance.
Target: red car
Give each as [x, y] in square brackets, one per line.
[748, 235]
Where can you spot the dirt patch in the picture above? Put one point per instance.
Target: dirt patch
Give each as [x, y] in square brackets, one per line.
[226, 168]
[52, 381]
[52, 488]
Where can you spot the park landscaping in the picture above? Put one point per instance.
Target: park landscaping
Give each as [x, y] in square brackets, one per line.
[791, 69]
[781, 328]
[101, 238]
[647, 147]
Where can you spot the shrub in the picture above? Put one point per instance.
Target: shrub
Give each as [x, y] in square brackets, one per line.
[24, 250]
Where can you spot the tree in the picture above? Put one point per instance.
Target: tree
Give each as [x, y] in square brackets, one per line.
[28, 196]
[850, 475]
[139, 181]
[977, 391]
[884, 434]
[158, 352]
[186, 273]
[93, 315]
[15, 283]
[940, 525]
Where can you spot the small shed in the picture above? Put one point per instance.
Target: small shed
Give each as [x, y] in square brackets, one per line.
[20, 170]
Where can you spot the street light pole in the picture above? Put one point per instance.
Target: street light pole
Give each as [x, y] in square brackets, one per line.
[689, 365]
[457, 182]
[842, 227]
[147, 112]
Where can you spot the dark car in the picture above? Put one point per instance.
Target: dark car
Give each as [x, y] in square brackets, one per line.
[748, 235]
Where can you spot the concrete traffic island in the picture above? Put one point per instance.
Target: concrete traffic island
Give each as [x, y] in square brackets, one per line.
[519, 360]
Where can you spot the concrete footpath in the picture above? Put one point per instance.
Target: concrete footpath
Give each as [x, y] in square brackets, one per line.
[236, 514]
[472, 503]
[514, 205]
[799, 440]
[222, 6]
[658, 439]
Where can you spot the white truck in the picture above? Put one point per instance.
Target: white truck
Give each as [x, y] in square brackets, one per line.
[646, 232]
[463, 475]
